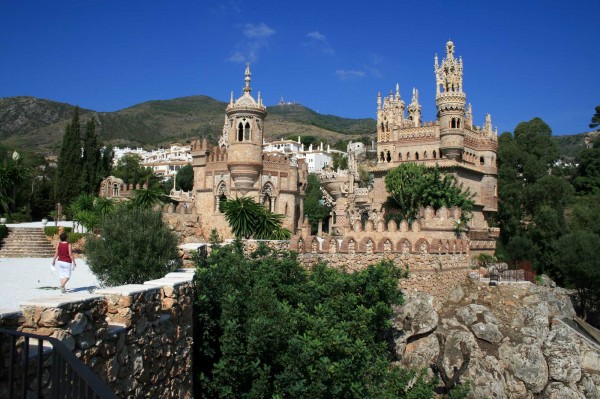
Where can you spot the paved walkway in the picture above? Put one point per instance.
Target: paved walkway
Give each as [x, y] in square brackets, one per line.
[28, 278]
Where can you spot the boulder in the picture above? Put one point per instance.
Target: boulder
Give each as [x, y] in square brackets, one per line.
[562, 355]
[487, 379]
[527, 363]
[557, 390]
[416, 317]
[488, 332]
[421, 352]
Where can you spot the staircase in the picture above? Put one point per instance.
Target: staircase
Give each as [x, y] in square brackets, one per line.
[26, 242]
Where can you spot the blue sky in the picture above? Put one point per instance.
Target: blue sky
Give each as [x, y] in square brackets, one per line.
[521, 58]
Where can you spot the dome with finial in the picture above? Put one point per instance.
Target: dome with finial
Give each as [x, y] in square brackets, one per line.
[246, 100]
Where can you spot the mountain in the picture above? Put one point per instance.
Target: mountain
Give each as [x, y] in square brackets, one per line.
[38, 124]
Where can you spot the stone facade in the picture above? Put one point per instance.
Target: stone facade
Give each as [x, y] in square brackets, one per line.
[238, 167]
[137, 338]
[452, 142]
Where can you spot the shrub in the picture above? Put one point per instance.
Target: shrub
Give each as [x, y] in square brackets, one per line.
[3, 231]
[268, 328]
[74, 237]
[51, 231]
[135, 246]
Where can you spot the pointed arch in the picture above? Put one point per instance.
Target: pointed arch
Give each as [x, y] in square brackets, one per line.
[247, 131]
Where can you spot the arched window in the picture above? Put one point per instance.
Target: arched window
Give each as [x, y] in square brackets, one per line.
[399, 156]
[434, 154]
[408, 156]
[389, 157]
[458, 123]
[425, 155]
[240, 135]
[247, 131]
[481, 160]
[382, 127]
[381, 156]
[416, 156]
[387, 127]
[115, 190]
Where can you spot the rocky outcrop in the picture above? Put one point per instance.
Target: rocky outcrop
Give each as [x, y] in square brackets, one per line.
[508, 341]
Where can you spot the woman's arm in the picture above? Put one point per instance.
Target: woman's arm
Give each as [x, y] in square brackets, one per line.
[55, 254]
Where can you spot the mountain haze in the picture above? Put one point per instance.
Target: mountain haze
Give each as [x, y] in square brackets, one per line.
[38, 124]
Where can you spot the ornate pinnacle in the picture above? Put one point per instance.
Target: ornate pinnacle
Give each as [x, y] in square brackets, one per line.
[247, 89]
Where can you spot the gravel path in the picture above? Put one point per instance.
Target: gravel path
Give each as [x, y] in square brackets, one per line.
[27, 278]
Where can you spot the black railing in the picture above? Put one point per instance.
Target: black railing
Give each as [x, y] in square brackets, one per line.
[34, 366]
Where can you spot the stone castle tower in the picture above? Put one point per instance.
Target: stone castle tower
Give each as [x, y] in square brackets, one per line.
[238, 167]
[451, 141]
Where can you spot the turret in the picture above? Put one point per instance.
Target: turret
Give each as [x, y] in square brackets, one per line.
[244, 135]
[414, 109]
[450, 102]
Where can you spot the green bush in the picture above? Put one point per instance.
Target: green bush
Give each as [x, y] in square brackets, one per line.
[3, 231]
[135, 246]
[51, 231]
[268, 328]
[74, 237]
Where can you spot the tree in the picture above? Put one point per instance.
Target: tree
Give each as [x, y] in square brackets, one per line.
[69, 166]
[249, 219]
[587, 175]
[106, 161]
[135, 246]
[147, 198]
[185, 178]
[579, 260]
[340, 161]
[412, 186]
[531, 201]
[596, 118]
[314, 208]
[267, 328]
[91, 160]
[130, 169]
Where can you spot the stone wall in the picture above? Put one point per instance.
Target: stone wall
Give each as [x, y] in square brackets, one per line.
[433, 273]
[137, 338]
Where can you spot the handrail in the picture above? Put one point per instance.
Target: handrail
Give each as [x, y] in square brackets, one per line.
[69, 376]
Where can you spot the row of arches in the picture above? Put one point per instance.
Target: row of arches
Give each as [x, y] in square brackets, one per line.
[386, 156]
[454, 123]
[267, 197]
[369, 245]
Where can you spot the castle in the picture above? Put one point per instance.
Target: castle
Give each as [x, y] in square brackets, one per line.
[452, 142]
[239, 167]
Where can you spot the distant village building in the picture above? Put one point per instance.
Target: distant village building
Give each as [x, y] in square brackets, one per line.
[164, 162]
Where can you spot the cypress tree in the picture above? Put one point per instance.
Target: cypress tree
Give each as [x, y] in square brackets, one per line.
[91, 160]
[68, 170]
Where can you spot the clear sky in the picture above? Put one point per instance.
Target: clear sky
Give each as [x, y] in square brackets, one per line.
[521, 58]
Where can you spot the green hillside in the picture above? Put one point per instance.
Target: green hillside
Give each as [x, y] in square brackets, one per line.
[39, 124]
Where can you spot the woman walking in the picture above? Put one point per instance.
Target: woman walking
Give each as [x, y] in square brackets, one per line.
[66, 261]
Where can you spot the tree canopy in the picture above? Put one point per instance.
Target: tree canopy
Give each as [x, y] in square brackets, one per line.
[267, 328]
[69, 166]
[314, 208]
[412, 186]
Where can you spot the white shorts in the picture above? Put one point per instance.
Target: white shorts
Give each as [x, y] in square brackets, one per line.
[64, 269]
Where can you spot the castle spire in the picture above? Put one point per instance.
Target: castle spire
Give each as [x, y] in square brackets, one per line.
[247, 89]
[378, 100]
[397, 91]
[231, 99]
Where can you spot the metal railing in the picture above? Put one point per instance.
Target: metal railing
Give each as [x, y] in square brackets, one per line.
[34, 366]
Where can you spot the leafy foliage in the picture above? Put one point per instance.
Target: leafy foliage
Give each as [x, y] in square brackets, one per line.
[268, 328]
[587, 176]
[91, 160]
[248, 219]
[69, 166]
[130, 169]
[135, 246]
[531, 201]
[596, 118]
[314, 209]
[185, 178]
[412, 186]
[579, 260]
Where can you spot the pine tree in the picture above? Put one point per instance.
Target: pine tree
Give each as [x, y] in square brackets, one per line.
[91, 161]
[68, 171]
